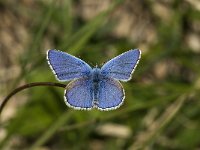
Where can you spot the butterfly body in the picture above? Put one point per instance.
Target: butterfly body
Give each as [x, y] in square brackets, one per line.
[96, 78]
[93, 87]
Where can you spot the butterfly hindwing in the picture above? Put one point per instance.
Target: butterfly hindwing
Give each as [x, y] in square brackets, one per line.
[111, 94]
[122, 66]
[67, 67]
[79, 94]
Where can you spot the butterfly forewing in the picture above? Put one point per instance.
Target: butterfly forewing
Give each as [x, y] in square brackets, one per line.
[122, 66]
[67, 67]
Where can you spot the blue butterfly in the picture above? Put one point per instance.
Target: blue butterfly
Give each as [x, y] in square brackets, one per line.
[93, 87]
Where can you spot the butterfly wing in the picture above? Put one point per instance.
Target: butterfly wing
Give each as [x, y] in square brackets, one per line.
[67, 67]
[111, 94]
[79, 94]
[122, 66]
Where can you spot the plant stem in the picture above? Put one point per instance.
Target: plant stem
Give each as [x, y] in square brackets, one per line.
[29, 85]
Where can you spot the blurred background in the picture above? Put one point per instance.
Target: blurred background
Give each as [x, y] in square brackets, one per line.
[162, 108]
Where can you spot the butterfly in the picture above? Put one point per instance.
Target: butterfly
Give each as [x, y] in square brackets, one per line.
[93, 87]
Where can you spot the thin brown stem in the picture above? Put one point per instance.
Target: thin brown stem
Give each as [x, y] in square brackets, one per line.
[29, 85]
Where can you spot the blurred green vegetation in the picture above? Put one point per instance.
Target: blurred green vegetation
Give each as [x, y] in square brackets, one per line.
[162, 108]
